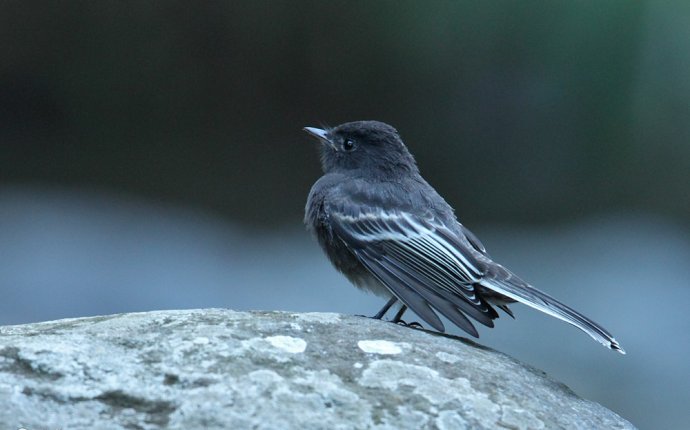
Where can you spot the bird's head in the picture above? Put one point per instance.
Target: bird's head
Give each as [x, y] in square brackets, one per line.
[368, 148]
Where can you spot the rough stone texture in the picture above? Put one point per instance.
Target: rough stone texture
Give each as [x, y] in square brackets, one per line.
[270, 370]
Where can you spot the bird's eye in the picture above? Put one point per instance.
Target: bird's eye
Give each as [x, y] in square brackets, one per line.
[348, 145]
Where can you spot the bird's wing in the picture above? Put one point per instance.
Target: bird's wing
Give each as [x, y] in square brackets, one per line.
[427, 265]
[473, 239]
[415, 258]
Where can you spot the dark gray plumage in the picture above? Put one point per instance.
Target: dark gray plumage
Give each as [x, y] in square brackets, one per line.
[385, 228]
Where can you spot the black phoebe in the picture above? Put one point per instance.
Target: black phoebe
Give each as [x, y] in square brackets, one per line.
[385, 228]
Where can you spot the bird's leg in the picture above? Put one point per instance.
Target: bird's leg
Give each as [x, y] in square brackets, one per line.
[397, 319]
[385, 308]
[398, 316]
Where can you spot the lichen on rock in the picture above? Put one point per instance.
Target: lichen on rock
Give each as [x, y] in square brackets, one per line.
[220, 369]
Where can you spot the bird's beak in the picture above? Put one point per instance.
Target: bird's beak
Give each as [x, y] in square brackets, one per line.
[322, 135]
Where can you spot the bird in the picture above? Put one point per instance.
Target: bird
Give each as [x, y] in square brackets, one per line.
[389, 232]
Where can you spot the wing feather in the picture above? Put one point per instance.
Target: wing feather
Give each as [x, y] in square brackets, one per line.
[430, 279]
[404, 293]
[438, 302]
[418, 266]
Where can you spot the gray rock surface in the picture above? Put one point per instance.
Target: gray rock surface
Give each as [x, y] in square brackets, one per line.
[218, 369]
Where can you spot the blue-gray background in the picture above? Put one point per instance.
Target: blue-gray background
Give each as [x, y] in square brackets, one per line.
[151, 158]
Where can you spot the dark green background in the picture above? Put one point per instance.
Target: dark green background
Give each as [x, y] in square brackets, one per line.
[516, 111]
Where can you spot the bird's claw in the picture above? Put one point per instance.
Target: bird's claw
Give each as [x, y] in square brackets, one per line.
[413, 324]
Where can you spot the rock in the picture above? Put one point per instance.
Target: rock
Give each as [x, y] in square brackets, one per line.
[220, 369]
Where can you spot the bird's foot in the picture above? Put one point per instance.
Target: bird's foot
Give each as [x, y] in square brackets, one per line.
[413, 324]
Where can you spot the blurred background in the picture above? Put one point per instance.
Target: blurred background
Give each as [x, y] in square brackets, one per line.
[151, 157]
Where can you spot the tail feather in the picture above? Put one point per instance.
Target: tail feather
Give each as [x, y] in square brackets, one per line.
[511, 286]
[504, 307]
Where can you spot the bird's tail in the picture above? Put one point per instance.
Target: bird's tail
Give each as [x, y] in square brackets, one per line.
[515, 288]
